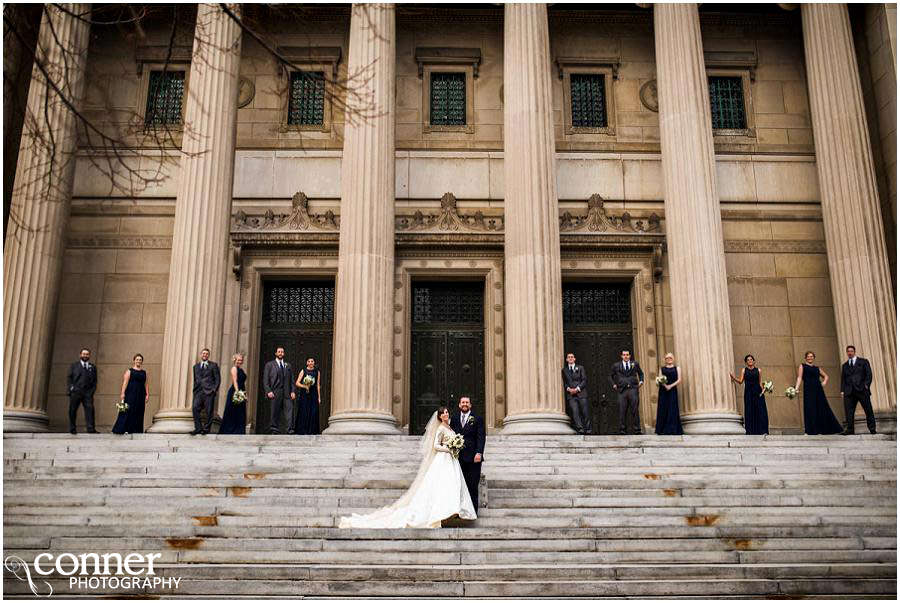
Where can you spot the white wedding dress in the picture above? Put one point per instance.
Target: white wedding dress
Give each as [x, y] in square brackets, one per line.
[438, 492]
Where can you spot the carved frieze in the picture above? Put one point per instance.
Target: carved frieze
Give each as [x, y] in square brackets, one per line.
[598, 220]
[299, 218]
[449, 218]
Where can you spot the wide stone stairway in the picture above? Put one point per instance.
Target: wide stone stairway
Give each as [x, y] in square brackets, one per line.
[623, 516]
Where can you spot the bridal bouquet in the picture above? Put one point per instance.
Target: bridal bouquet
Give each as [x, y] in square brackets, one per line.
[662, 380]
[791, 392]
[239, 397]
[122, 405]
[455, 444]
[767, 388]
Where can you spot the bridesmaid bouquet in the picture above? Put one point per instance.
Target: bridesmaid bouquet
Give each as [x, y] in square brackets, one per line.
[791, 392]
[662, 380]
[122, 405]
[308, 380]
[767, 388]
[239, 397]
[455, 444]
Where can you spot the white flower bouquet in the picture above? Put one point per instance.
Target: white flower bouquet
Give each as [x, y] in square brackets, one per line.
[767, 388]
[239, 397]
[456, 444]
[122, 405]
[662, 380]
[791, 392]
[308, 381]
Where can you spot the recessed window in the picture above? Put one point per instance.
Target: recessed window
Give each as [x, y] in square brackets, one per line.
[306, 106]
[165, 95]
[448, 99]
[726, 98]
[588, 94]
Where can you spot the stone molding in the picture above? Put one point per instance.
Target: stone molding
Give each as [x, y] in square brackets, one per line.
[297, 219]
[449, 218]
[433, 55]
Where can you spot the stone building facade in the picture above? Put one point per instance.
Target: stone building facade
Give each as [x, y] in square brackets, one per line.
[458, 195]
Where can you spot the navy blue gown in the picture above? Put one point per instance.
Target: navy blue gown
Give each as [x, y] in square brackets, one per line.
[132, 420]
[818, 419]
[668, 419]
[308, 405]
[756, 416]
[234, 417]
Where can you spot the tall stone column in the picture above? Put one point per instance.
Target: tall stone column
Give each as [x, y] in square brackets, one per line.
[362, 375]
[700, 311]
[531, 248]
[854, 233]
[195, 306]
[42, 194]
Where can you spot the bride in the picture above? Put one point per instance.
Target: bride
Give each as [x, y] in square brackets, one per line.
[438, 492]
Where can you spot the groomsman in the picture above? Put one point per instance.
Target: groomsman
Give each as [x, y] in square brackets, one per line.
[856, 383]
[472, 429]
[278, 383]
[575, 382]
[206, 386]
[627, 378]
[81, 382]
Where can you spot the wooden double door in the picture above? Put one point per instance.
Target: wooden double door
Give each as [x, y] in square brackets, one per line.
[298, 316]
[447, 359]
[597, 326]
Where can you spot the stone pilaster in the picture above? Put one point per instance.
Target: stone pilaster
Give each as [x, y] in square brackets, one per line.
[531, 248]
[854, 233]
[195, 306]
[362, 375]
[700, 311]
[42, 194]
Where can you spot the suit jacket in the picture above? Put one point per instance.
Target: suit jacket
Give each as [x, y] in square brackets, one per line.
[576, 379]
[623, 379]
[80, 379]
[278, 381]
[473, 432]
[207, 381]
[857, 378]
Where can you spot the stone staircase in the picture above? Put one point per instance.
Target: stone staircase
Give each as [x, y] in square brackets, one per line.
[618, 516]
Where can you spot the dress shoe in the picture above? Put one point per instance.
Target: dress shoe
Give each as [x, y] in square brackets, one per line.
[93, 431]
[204, 432]
[72, 431]
[291, 432]
[197, 432]
[847, 432]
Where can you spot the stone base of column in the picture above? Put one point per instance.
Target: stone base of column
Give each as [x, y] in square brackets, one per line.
[362, 423]
[19, 421]
[172, 421]
[537, 423]
[885, 422]
[712, 423]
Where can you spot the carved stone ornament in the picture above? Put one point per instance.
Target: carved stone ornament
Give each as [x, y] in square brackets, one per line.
[449, 218]
[649, 96]
[298, 219]
[597, 220]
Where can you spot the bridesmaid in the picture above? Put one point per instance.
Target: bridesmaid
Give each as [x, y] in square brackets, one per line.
[308, 399]
[756, 416]
[818, 419]
[234, 417]
[136, 393]
[668, 419]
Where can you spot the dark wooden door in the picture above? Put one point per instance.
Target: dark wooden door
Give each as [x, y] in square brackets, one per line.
[447, 349]
[298, 316]
[596, 328]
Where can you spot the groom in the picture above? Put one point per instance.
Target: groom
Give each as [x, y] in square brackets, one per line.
[472, 429]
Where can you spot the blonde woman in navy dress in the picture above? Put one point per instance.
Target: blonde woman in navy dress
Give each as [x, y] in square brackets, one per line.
[818, 418]
[668, 418]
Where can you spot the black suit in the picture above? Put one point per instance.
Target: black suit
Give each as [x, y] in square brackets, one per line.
[206, 387]
[856, 383]
[578, 402]
[280, 382]
[473, 433]
[626, 382]
[81, 383]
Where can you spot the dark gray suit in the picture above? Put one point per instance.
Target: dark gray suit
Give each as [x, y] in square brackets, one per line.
[81, 383]
[626, 383]
[856, 381]
[206, 387]
[280, 382]
[578, 402]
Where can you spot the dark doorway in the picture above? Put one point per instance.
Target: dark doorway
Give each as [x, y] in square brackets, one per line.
[447, 348]
[298, 316]
[596, 328]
